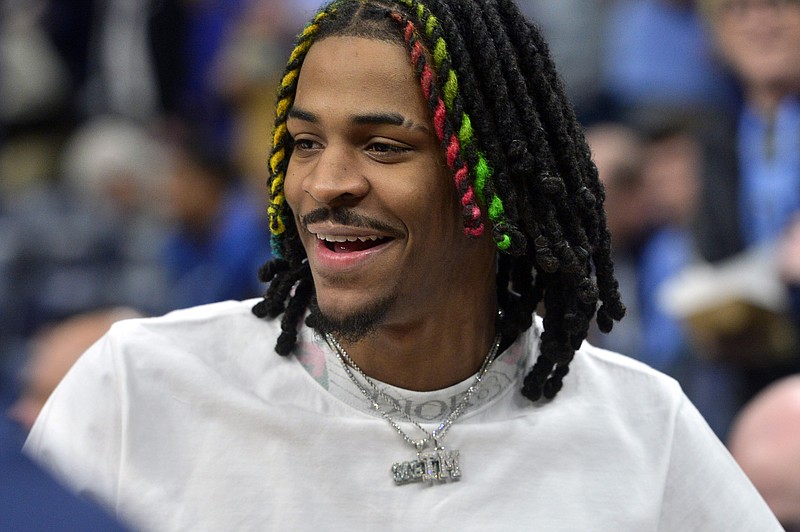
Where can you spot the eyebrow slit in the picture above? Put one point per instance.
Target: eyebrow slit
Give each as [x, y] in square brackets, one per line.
[392, 119]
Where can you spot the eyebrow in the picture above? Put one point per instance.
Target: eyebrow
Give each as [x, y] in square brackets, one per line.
[392, 119]
[305, 116]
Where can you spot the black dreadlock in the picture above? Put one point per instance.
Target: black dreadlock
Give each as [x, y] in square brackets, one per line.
[509, 110]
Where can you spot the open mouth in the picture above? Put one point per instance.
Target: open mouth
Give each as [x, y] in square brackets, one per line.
[350, 244]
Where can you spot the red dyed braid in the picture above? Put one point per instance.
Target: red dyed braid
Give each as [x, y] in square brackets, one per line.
[473, 225]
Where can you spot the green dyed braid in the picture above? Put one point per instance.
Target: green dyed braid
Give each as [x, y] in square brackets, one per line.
[459, 122]
[495, 64]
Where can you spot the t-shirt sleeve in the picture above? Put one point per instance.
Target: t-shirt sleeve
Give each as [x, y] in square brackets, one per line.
[77, 434]
[705, 488]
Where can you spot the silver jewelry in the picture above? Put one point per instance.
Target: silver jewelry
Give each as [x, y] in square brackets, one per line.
[437, 465]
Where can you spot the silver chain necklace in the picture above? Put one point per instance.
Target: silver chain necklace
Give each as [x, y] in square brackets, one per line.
[437, 465]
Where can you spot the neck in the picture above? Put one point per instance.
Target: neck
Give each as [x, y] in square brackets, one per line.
[439, 349]
[766, 100]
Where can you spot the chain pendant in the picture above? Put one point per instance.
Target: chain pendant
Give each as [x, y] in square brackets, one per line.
[435, 467]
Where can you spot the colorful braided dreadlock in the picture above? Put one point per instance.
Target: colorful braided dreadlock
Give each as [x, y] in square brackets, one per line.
[519, 160]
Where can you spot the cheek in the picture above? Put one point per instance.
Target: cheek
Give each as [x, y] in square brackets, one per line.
[436, 206]
[443, 197]
[292, 186]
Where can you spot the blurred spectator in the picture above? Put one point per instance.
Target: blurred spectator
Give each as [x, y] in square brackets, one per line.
[55, 348]
[657, 56]
[649, 182]
[751, 175]
[788, 264]
[765, 441]
[651, 177]
[30, 499]
[244, 72]
[86, 239]
[135, 59]
[219, 237]
[671, 181]
[617, 151]
[752, 179]
[575, 33]
[673, 161]
[35, 85]
[35, 80]
[63, 63]
[672, 172]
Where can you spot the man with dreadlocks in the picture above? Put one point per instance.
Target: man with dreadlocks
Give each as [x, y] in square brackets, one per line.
[430, 189]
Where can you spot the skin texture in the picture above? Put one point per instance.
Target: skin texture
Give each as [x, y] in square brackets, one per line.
[365, 146]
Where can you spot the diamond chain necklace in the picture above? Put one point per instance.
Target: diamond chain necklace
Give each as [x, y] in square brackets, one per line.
[438, 465]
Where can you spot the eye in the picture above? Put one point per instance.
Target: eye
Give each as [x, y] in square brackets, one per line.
[387, 151]
[304, 146]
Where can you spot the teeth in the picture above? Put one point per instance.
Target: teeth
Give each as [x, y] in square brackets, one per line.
[336, 238]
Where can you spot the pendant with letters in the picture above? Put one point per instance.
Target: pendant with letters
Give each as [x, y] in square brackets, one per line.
[435, 467]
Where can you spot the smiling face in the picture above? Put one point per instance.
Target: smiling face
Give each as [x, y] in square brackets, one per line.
[373, 198]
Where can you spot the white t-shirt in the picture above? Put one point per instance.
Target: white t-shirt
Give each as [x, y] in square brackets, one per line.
[192, 422]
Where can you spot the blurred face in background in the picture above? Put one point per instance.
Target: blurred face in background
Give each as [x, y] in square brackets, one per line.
[671, 175]
[195, 194]
[53, 351]
[760, 39]
[617, 152]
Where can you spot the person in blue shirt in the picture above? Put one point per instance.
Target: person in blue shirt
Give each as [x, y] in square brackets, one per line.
[218, 241]
[751, 177]
[30, 498]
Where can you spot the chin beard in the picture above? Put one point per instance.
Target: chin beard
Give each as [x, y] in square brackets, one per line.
[349, 328]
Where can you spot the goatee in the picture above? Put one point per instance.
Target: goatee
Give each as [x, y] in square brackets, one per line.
[349, 328]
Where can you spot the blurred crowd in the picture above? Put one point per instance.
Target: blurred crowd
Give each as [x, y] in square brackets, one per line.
[134, 137]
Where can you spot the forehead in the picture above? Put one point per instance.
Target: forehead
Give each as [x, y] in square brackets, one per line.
[353, 75]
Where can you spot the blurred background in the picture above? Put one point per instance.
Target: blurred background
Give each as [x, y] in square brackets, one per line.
[134, 136]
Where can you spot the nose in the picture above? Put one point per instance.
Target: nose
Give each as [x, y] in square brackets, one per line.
[336, 178]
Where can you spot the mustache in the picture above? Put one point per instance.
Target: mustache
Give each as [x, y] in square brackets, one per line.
[348, 217]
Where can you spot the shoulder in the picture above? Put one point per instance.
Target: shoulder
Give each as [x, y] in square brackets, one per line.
[600, 378]
[224, 321]
[618, 385]
[223, 310]
[618, 369]
[218, 335]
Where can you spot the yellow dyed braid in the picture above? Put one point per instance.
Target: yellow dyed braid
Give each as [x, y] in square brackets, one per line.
[278, 159]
